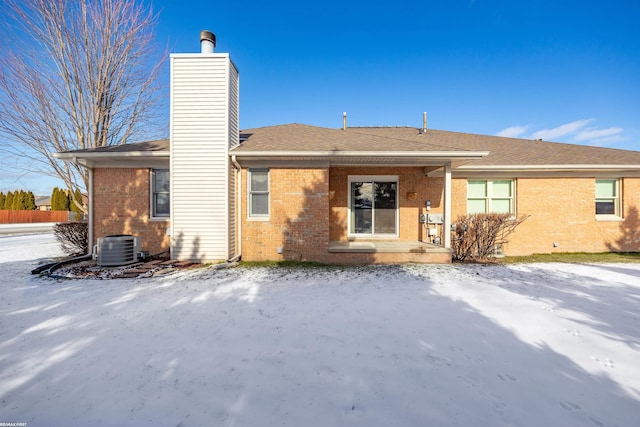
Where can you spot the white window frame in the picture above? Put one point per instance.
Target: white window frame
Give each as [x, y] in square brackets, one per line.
[489, 196]
[374, 178]
[152, 193]
[251, 192]
[617, 200]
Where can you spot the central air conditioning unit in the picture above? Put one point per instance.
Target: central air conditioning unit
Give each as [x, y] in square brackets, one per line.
[117, 250]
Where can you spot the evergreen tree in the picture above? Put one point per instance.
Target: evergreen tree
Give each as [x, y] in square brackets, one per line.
[23, 200]
[54, 199]
[64, 200]
[59, 200]
[8, 202]
[30, 203]
[2, 197]
[73, 206]
[19, 198]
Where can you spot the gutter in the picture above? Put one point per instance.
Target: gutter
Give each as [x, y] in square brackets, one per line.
[70, 155]
[471, 155]
[480, 168]
[88, 160]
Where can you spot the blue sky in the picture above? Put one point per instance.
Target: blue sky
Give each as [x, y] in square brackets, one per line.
[566, 71]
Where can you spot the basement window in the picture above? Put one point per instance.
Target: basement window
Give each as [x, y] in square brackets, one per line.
[160, 196]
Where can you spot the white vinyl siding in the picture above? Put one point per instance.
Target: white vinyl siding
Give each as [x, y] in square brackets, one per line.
[234, 138]
[201, 125]
[234, 107]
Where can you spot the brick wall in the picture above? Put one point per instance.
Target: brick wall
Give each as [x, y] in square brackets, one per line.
[309, 207]
[562, 211]
[121, 205]
[298, 217]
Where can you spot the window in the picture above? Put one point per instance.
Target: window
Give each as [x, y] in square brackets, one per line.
[484, 196]
[373, 205]
[258, 193]
[607, 197]
[160, 200]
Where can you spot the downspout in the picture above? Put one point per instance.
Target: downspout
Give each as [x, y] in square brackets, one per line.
[238, 168]
[90, 207]
[90, 203]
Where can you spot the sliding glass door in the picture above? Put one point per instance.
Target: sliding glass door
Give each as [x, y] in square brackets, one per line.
[373, 205]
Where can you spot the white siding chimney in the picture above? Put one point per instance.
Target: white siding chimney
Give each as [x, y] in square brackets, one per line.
[204, 126]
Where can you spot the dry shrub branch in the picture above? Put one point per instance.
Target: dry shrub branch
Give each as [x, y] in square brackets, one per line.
[477, 235]
[72, 236]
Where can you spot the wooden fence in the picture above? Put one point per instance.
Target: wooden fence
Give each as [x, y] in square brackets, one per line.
[28, 217]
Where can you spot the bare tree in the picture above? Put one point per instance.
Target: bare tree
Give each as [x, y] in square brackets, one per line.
[76, 74]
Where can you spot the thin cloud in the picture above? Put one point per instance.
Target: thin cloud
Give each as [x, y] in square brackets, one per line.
[608, 141]
[577, 131]
[598, 134]
[513, 131]
[562, 130]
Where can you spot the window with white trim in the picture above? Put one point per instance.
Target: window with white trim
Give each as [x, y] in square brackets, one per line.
[258, 193]
[484, 196]
[373, 205]
[160, 196]
[608, 197]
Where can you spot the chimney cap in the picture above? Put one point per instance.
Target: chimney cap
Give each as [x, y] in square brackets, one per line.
[208, 36]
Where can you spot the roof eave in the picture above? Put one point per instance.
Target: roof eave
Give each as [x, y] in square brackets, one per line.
[356, 158]
[469, 155]
[549, 168]
[96, 156]
[532, 171]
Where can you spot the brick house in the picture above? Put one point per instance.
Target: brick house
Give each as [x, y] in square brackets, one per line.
[351, 195]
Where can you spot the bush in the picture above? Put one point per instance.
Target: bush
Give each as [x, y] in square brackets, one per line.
[478, 235]
[72, 236]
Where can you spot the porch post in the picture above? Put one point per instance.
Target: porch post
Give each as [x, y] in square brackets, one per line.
[446, 226]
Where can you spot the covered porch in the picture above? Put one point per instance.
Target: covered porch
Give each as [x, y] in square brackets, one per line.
[389, 208]
[350, 196]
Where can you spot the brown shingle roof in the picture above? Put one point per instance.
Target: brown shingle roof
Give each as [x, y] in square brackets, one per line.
[301, 138]
[512, 151]
[503, 151]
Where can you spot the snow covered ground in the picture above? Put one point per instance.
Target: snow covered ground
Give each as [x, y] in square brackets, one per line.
[461, 345]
